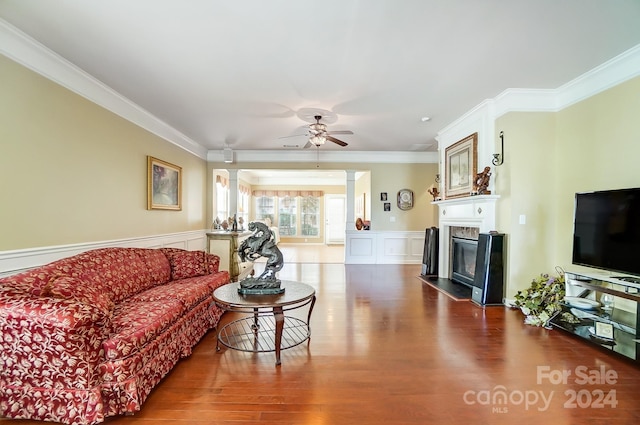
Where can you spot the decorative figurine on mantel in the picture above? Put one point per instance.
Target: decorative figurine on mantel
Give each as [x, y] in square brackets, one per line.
[481, 182]
[261, 244]
[435, 193]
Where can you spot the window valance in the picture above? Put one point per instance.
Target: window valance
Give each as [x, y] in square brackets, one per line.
[222, 180]
[289, 193]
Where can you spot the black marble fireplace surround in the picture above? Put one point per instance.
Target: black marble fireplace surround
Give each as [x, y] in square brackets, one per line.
[462, 252]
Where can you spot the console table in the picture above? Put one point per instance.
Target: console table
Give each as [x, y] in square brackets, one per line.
[618, 327]
[225, 244]
[267, 328]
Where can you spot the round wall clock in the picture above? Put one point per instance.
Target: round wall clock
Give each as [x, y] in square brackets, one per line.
[405, 199]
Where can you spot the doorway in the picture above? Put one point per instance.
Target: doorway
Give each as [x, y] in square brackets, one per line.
[335, 217]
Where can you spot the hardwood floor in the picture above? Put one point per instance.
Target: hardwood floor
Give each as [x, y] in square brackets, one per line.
[388, 349]
[311, 253]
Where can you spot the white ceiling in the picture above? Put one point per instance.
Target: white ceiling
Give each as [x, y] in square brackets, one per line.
[246, 73]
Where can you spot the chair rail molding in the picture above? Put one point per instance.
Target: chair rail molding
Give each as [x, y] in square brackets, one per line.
[15, 261]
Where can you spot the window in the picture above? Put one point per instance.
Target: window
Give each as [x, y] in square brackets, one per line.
[222, 201]
[287, 214]
[243, 207]
[296, 213]
[265, 208]
[310, 210]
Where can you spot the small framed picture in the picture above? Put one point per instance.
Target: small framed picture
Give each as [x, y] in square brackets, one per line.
[383, 196]
[604, 330]
[387, 206]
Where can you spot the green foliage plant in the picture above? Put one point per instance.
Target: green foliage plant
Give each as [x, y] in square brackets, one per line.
[541, 300]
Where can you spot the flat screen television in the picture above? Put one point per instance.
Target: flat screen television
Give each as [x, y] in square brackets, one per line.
[606, 230]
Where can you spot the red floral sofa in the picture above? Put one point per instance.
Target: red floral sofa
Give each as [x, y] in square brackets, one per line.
[89, 336]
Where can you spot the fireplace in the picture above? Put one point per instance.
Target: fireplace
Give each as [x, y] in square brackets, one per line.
[462, 218]
[463, 260]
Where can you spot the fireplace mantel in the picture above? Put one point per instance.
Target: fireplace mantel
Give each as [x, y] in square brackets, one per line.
[471, 211]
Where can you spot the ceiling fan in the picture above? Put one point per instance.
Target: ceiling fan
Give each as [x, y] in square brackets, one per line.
[318, 134]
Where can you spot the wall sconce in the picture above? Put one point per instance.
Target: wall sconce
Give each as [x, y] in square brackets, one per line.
[498, 158]
[438, 178]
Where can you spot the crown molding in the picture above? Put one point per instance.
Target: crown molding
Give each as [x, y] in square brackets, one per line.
[31, 54]
[324, 156]
[609, 74]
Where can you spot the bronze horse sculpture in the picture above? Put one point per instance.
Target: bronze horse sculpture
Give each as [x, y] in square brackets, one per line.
[261, 244]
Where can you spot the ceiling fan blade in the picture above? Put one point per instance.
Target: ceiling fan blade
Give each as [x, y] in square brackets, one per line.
[336, 141]
[308, 145]
[340, 132]
[293, 135]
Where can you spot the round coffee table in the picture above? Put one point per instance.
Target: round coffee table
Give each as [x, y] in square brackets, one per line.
[268, 328]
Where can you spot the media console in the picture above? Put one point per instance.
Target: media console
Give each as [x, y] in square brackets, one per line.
[586, 315]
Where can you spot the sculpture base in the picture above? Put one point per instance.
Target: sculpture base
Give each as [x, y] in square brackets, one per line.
[260, 291]
[257, 286]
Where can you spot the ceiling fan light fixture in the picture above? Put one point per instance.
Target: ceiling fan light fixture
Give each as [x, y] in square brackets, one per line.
[318, 140]
[318, 128]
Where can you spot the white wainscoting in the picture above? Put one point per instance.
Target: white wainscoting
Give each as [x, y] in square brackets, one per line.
[12, 262]
[377, 247]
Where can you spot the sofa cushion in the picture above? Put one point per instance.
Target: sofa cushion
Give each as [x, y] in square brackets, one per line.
[134, 324]
[71, 288]
[189, 292]
[158, 265]
[186, 264]
[120, 271]
[212, 263]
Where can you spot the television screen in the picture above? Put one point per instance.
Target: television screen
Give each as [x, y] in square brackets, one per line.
[606, 232]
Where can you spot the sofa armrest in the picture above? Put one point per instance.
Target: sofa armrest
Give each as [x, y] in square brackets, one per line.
[212, 262]
[49, 343]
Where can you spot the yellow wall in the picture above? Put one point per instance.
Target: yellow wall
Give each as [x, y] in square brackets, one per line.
[591, 145]
[363, 188]
[599, 149]
[525, 183]
[72, 172]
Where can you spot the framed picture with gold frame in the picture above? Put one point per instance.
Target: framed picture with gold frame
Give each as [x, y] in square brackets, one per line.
[164, 185]
[461, 164]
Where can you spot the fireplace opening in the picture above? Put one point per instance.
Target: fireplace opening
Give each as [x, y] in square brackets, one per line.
[463, 260]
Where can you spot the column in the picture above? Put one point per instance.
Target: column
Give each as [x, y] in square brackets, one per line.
[351, 202]
[233, 192]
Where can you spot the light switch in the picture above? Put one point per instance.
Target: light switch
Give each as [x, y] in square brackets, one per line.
[392, 219]
[523, 219]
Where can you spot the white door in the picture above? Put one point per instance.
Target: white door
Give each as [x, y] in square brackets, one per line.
[335, 218]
